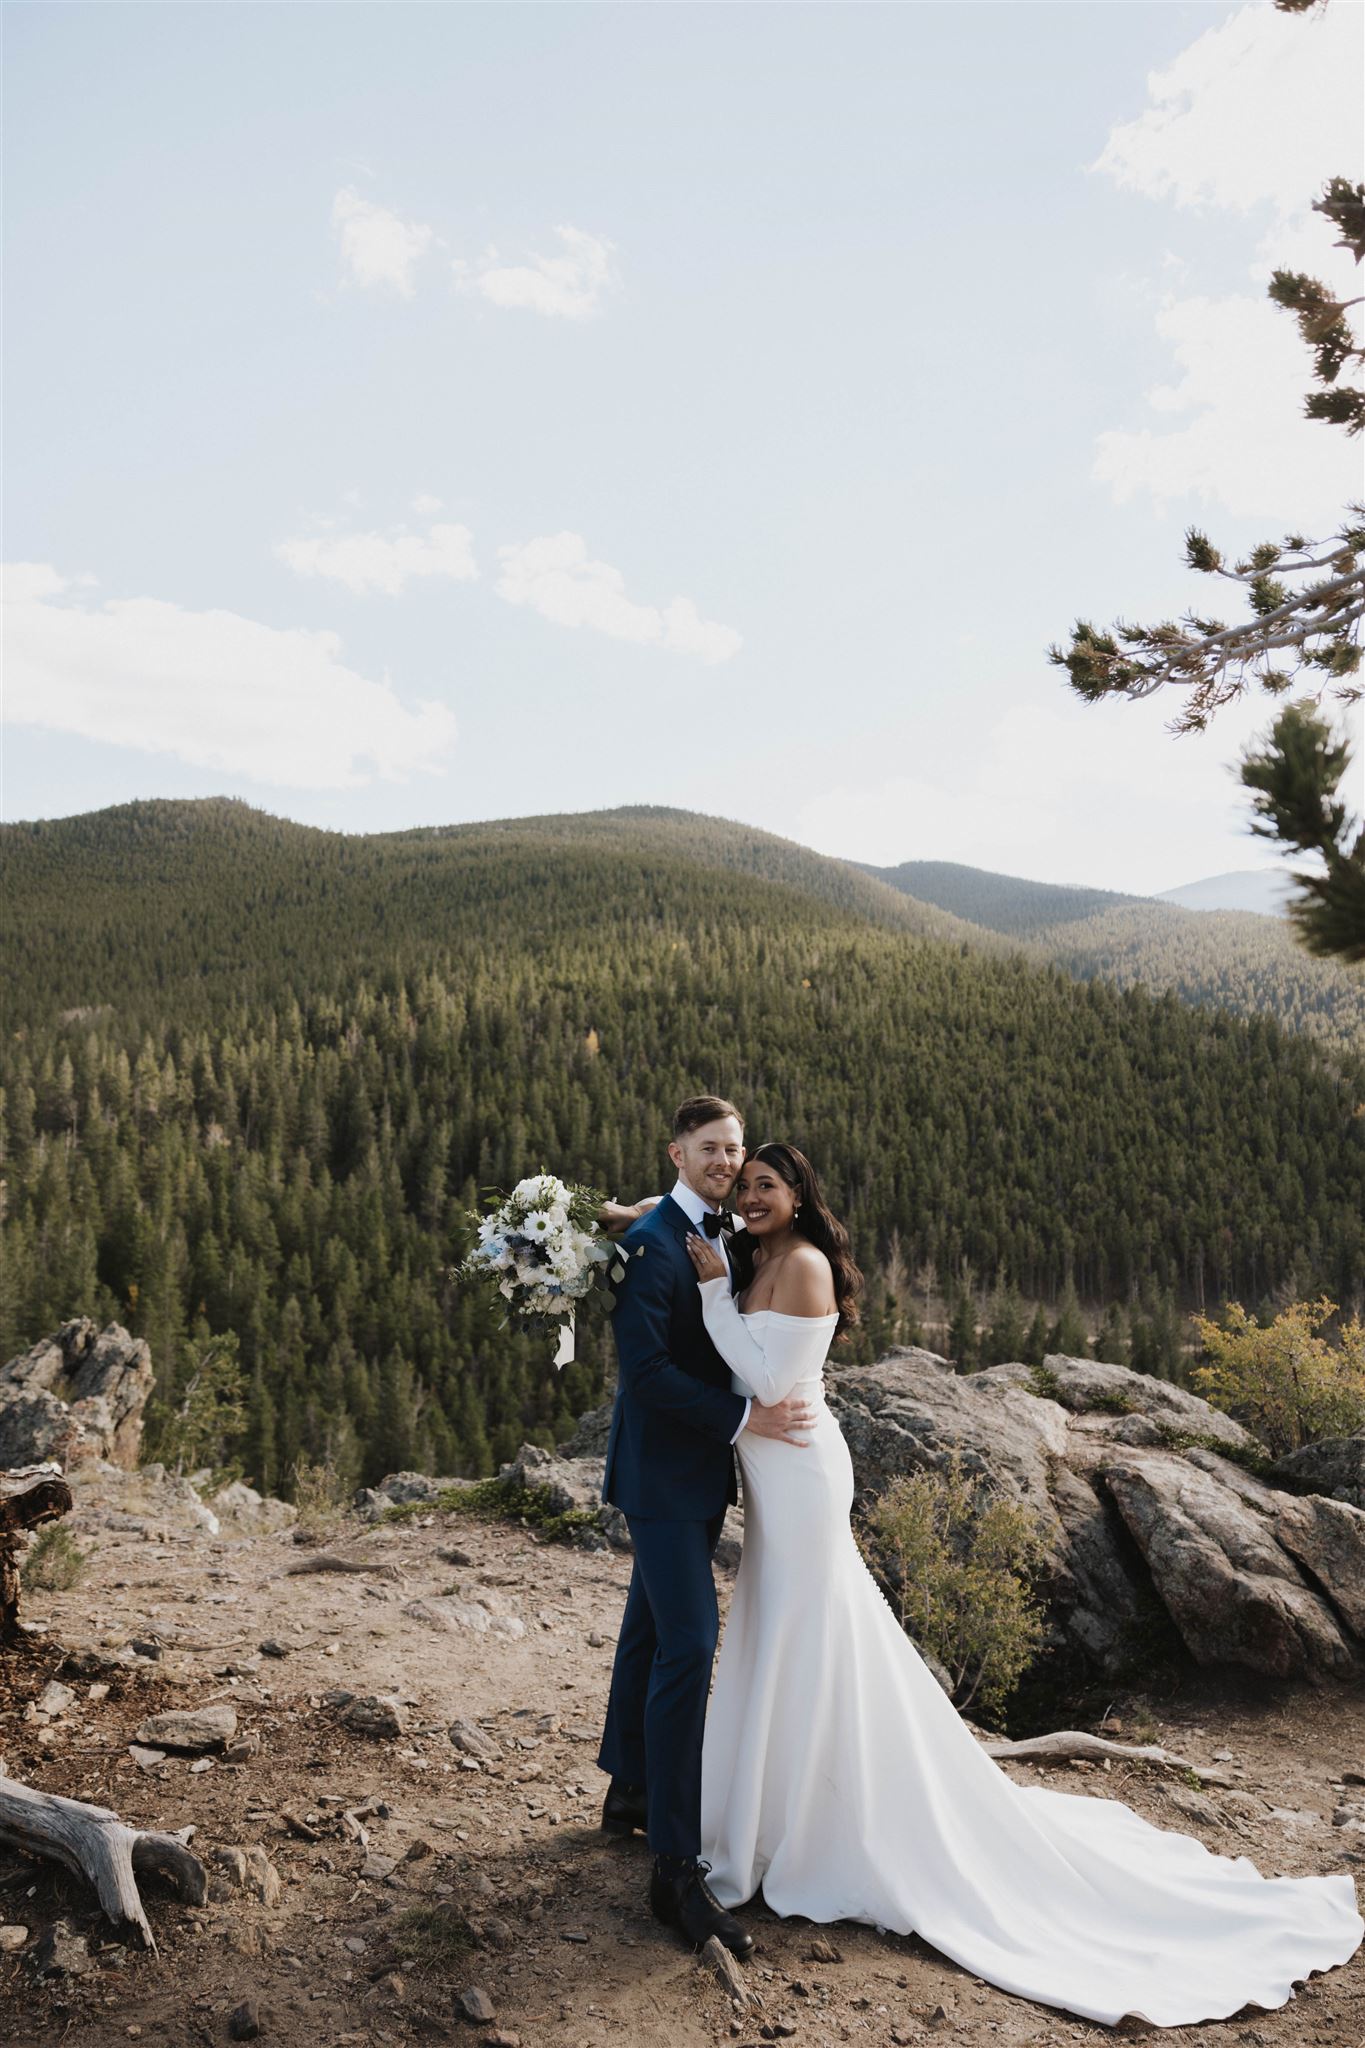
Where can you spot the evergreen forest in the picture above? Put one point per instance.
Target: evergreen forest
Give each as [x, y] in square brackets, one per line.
[256, 1075]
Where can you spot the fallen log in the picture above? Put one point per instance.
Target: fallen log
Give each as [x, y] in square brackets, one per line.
[28, 1497]
[1067, 1743]
[326, 1561]
[95, 1844]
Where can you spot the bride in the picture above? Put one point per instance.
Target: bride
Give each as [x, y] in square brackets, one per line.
[839, 1778]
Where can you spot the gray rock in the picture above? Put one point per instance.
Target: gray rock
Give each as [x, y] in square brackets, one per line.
[62, 1953]
[244, 2021]
[475, 2004]
[590, 1438]
[76, 1395]
[202, 1728]
[375, 1714]
[12, 1938]
[230, 1863]
[572, 1485]
[241, 1510]
[450, 1616]
[471, 1740]
[1220, 1551]
[262, 1877]
[1087, 1387]
[402, 1489]
[1335, 1467]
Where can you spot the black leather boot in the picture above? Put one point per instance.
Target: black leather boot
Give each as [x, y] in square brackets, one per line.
[681, 1898]
[623, 1809]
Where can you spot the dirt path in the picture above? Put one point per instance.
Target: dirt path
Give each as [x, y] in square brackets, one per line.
[372, 1943]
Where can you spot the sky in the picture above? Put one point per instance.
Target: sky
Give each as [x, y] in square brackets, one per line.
[424, 413]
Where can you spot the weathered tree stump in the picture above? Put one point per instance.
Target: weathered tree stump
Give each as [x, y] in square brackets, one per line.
[95, 1844]
[29, 1497]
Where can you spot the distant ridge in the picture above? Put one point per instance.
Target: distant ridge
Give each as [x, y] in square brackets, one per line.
[1264, 890]
[1243, 959]
[1001, 903]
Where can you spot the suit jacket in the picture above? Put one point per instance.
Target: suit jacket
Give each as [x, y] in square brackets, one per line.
[669, 1456]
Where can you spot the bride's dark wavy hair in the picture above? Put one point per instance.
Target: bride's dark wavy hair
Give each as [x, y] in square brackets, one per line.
[815, 1221]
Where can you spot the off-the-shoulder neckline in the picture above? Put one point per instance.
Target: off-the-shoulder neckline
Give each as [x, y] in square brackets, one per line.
[832, 1316]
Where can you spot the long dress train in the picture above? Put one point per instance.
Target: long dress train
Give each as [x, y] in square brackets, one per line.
[838, 1776]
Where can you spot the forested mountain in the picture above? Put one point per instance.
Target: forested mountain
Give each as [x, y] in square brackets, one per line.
[254, 1074]
[1243, 962]
[999, 903]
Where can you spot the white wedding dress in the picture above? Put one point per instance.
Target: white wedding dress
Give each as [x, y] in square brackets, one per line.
[838, 1776]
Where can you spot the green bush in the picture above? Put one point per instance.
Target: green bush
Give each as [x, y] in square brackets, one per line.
[494, 1500]
[55, 1562]
[958, 1563]
[1287, 1383]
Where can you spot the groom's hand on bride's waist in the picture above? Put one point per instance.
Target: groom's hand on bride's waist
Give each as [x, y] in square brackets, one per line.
[790, 1421]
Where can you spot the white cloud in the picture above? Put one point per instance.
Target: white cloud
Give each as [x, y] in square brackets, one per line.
[425, 506]
[215, 689]
[367, 562]
[1146, 811]
[1254, 115]
[1242, 442]
[378, 248]
[555, 577]
[1260, 109]
[569, 286]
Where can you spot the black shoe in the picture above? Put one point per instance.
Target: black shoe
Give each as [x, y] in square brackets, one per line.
[623, 1809]
[683, 1899]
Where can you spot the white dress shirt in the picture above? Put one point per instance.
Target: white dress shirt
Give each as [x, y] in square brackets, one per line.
[694, 1207]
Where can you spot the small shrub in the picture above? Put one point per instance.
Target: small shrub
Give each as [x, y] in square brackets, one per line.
[1043, 1382]
[1112, 1401]
[431, 1937]
[55, 1562]
[493, 1500]
[958, 1563]
[1285, 1382]
[319, 1494]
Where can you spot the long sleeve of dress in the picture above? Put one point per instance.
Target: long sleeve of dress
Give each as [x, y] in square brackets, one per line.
[768, 1363]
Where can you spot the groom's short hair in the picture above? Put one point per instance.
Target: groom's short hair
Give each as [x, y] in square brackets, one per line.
[702, 1109]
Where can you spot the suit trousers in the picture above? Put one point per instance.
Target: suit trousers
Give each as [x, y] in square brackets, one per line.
[656, 1710]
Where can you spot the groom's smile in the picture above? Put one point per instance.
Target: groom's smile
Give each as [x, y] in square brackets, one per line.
[709, 1158]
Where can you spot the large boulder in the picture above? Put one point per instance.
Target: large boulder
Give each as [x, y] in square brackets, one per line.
[1225, 1552]
[77, 1395]
[1139, 1488]
[1335, 1467]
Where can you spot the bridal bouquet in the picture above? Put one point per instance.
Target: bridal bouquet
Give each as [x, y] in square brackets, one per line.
[543, 1249]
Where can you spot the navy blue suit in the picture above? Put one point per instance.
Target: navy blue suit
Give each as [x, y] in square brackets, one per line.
[671, 1471]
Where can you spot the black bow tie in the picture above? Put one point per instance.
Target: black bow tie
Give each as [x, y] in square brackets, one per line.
[716, 1221]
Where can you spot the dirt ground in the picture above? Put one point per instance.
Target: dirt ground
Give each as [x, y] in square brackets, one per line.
[500, 1880]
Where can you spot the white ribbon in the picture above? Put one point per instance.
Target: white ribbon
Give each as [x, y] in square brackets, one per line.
[564, 1353]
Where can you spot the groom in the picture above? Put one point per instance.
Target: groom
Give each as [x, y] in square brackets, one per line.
[671, 1471]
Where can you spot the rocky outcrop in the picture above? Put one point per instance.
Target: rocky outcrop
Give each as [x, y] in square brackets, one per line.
[1335, 1467]
[1137, 1490]
[1250, 1576]
[77, 1395]
[241, 1511]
